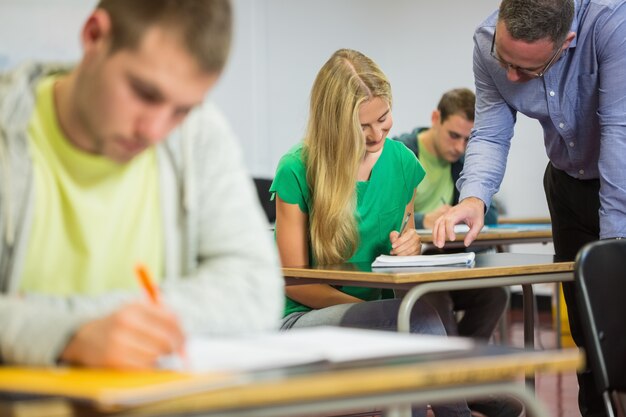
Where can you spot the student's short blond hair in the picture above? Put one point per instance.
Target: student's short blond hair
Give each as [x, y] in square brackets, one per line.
[204, 26]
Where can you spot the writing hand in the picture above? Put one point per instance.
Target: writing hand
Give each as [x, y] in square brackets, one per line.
[470, 211]
[132, 337]
[406, 244]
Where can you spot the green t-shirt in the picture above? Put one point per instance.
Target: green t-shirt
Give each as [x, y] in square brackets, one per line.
[381, 202]
[437, 187]
[93, 219]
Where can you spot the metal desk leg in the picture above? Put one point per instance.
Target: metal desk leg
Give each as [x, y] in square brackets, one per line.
[414, 294]
[529, 324]
[411, 297]
[557, 303]
[503, 325]
[529, 316]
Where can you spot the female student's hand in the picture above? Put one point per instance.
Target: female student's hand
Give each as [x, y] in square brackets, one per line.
[407, 244]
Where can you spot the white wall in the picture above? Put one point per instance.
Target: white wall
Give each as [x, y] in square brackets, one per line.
[425, 47]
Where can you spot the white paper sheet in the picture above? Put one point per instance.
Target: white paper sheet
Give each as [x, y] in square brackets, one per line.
[306, 346]
[464, 258]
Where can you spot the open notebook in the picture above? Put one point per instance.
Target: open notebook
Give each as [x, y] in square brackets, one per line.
[388, 261]
[221, 362]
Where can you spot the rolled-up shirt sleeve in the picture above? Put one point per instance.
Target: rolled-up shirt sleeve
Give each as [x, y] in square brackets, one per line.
[490, 140]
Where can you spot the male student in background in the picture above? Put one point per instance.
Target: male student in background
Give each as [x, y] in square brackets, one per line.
[120, 160]
[440, 149]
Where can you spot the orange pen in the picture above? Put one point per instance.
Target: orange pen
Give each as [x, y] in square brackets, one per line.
[147, 283]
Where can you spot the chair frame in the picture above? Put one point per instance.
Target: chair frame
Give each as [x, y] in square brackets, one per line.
[588, 257]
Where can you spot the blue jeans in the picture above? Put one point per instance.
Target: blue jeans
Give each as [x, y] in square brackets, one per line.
[380, 315]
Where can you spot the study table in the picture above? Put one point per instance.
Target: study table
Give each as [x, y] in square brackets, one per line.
[506, 232]
[524, 220]
[485, 370]
[489, 270]
[497, 235]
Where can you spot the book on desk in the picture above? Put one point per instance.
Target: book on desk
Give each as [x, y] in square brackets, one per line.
[390, 261]
[496, 228]
[226, 362]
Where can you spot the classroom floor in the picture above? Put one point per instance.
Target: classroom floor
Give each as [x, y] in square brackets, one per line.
[559, 393]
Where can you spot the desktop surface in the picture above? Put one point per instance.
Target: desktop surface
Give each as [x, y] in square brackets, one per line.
[500, 235]
[486, 265]
[427, 373]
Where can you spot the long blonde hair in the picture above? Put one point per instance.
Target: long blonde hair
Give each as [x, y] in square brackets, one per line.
[334, 146]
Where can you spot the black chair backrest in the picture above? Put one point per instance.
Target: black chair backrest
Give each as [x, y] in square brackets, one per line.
[263, 190]
[600, 275]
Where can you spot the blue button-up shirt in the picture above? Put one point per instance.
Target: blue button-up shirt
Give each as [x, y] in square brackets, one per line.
[580, 103]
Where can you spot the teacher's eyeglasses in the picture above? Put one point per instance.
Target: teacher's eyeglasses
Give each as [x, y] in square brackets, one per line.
[531, 72]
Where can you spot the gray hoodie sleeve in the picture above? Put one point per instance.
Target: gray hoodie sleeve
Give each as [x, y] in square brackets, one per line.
[24, 330]
[234, 284]
[34, 330]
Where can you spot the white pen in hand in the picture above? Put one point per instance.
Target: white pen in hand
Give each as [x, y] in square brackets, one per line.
[404, 223]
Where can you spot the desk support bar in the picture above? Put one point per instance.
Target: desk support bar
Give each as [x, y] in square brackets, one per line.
[414, 294]
[395, 402]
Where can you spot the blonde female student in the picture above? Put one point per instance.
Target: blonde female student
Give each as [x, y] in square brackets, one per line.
[342, 194]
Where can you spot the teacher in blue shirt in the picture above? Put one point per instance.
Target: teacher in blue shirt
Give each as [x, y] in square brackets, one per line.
[561, 62]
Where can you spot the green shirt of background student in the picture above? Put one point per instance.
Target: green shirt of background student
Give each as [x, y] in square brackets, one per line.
[441, 149]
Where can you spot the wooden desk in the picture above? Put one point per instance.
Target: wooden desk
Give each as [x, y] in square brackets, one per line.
[487, 370]
[489, 270]
[524, 220]
[500, 235]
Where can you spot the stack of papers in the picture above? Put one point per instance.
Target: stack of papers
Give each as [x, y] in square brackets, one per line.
[306, 346]
[465, 258]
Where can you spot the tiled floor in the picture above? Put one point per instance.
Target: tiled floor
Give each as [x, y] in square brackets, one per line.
[558, 392]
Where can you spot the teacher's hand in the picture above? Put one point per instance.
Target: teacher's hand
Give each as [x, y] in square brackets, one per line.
[470, 211]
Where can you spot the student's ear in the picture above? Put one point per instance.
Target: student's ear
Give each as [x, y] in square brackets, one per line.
[435, 118]
[96, 31]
